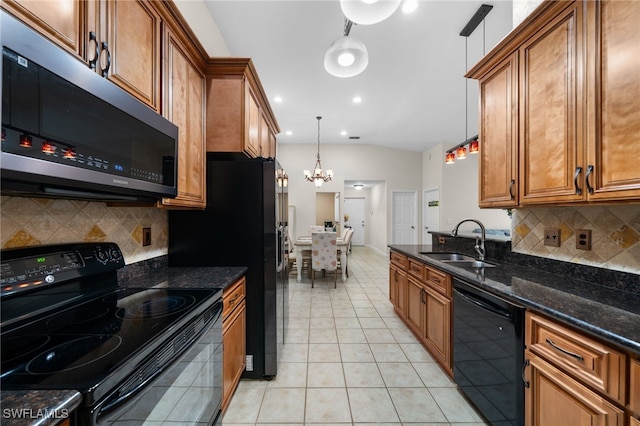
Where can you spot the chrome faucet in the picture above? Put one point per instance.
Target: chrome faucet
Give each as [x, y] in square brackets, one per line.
[479, 240]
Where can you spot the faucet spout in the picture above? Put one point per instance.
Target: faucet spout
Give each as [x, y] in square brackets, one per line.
[479, 241]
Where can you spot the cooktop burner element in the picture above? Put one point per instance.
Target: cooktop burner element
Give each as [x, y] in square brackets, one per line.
[157, 307]
[77, 352]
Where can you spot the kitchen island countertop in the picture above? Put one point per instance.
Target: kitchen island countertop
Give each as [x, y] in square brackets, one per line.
[606, 312]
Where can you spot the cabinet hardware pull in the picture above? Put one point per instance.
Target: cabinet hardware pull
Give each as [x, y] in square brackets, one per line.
[105, 48]
[564, 351]
[524, 367]
[589, 171]
[513, 182]
[575, 180]
[422, 296]
[233, 299]
[92, 38]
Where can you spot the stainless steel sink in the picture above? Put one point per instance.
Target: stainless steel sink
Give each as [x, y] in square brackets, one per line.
[458, 259]
[447, 257]
[471, 264]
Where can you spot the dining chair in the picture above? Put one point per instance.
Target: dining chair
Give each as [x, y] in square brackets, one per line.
[324, 254]
[347, 242]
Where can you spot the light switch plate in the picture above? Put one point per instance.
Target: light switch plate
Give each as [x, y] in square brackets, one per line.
[552, 237]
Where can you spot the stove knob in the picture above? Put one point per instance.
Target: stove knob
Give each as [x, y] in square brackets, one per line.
[102, 257]
[49, 278]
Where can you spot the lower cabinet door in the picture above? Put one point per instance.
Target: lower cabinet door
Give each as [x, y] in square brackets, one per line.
[234, 352]
[553, 398]
[415, 306]
[438, 327]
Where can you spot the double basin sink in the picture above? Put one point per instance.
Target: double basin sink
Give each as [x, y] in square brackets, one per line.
[458, 259]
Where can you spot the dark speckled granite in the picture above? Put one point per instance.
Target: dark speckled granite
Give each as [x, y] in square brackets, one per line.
[156, 271]
[41, 408]
[602, 310]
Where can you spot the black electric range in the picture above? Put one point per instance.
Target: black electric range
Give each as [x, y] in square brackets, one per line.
[65, 324]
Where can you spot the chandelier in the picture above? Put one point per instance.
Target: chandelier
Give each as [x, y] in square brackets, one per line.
[318, 176]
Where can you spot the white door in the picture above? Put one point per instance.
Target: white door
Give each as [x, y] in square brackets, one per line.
[431, 212]
[405, 226]
[354, 209]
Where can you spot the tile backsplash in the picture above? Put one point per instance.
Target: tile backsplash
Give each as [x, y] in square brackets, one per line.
[36, 221]
[615, 234]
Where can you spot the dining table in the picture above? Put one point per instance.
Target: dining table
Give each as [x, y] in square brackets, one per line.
[303, 244]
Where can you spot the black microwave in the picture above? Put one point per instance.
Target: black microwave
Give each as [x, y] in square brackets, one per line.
[69, 133]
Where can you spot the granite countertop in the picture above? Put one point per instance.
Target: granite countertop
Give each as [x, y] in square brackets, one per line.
[37, 408]
[606, 312]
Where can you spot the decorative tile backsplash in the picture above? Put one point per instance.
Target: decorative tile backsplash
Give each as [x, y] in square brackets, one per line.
[35, 221]
[615, 234]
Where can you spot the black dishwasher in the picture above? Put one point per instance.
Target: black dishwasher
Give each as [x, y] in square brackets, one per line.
[488, 353]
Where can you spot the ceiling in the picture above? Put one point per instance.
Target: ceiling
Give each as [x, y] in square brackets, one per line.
[413, 90]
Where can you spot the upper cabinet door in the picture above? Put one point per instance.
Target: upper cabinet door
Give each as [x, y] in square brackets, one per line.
[131, 59]
[613, 74]
[184, 90]
[499, 135]
[61, 21]
[551, 150]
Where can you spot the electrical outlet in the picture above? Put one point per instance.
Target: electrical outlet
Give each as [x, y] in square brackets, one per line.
[552, 237]
[583, 239]
[146, 237]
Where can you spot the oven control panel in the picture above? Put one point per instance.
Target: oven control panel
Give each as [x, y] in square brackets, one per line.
[35, 267]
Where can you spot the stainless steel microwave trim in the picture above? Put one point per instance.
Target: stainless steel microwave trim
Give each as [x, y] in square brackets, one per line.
[36, 177]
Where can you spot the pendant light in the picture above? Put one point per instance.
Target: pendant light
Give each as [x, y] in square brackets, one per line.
[318, 176]
[347, 56]
[368, 12]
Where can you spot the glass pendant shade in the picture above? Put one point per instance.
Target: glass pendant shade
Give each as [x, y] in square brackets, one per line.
[461, 153]
[474, 147]
[346, 57]
[368, 12]
[450, 158]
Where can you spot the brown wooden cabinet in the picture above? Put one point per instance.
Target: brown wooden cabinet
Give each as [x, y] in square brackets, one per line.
[551, 112]
[425, 306]
[236, 104]
[564, 84]
[130, 41]
[64, 22]
[634, 391]
[233, 338]
[498, 162]
[573, 379]
[184, 87]
[554, 398]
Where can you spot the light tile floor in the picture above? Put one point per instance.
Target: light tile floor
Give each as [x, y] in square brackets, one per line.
[349, 360]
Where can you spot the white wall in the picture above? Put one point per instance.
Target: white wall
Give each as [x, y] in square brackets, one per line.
[398, 169]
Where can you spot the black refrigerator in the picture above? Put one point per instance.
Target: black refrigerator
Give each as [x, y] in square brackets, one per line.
[244, 224]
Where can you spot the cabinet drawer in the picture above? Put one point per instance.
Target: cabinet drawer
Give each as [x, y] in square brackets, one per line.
[439, 281]
[634, 391]
[399, 259]
[232, 297]
[416, 269]
[586, 359]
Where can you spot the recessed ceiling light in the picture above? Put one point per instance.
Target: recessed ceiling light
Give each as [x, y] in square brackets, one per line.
[277, 99]
[357, 99]
[288, 132]
[409, 6]
[343, 133]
